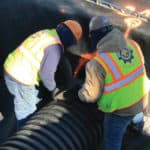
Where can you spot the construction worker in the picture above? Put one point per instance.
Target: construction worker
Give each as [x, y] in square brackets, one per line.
[115, 80]
[35, 60]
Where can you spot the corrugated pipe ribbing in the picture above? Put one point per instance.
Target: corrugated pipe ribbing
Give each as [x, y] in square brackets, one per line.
[60, 125]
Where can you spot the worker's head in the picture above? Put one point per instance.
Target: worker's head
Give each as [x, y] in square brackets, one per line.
[70, 31]
[99, 26]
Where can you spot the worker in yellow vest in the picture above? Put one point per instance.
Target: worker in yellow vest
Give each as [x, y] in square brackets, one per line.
[35, 60]
[115, 79]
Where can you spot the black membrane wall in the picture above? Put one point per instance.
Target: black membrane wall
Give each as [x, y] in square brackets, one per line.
[22, 18]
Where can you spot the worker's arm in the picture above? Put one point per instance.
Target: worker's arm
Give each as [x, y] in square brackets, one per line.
[94, 82]
[49, 65]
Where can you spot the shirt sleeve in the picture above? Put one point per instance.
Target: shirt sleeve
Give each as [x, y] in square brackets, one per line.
[49, 65]
[94, 82]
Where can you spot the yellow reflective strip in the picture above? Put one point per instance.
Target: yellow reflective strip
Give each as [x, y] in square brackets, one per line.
[43, 42]
[29, 56]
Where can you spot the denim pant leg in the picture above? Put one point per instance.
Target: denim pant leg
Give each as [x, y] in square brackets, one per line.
[114, 130]
[25, 98]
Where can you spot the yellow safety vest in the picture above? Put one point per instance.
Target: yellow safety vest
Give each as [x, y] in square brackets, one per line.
[23, 63]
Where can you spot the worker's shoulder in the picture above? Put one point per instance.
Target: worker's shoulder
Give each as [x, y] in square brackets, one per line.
[94, 64]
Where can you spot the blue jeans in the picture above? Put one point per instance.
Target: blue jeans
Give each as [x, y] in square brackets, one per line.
[25, 97]
[114, 130]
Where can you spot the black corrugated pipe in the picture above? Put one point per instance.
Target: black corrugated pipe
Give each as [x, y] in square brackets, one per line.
[61, 125]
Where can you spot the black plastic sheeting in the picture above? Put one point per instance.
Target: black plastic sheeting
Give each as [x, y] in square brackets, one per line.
[61, 125]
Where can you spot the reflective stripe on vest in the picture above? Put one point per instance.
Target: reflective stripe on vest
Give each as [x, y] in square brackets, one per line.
[118, 80]
[24, 63]
[124, 82]
[29, 56]
[44, 43]
[110, 64]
